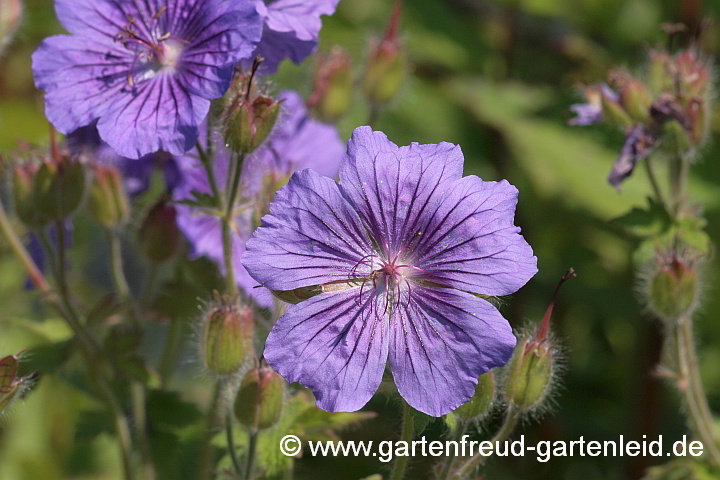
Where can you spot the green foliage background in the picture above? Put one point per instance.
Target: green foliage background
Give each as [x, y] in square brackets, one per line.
[495, 77]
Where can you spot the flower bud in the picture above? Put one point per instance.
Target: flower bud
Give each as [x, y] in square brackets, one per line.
[11, 14]
[332, 86]
[23, 177]
[249, 116]
[699, 121]
[677, 140]
[660, 75]
[388, 65]
[108, 200]
[227, 338]
[479, 404]
[59, 187]
[159, 236]
[614, 114]
[531, 368]
[673, 287]
[259, 402]
[635, 97]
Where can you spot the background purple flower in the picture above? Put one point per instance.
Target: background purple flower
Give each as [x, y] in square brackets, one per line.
[291, 29]
[297, 142]
[402, 247]
[146, 72]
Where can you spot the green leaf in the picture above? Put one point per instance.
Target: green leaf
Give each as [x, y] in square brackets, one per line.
[45, 358]
[421, 420]
[645, 222]
[451, 422]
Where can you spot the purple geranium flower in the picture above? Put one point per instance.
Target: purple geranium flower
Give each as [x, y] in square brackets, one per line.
[146, 72]
[137, 173]
[402, 249]
[639, 144]
[297, 142]
[291, 29]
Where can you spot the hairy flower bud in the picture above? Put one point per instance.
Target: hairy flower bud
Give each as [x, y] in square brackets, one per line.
[159, 236]
[23, 177]
[533, 364]
[227, 338]
[108, 200]
[249, 116]
[11, 386]
[260, 400]
[59, 188]
[660, 72]
[614, 114]
[479, 405]
[673, 287]
[388, 65]
[332, 86]
[635, 97]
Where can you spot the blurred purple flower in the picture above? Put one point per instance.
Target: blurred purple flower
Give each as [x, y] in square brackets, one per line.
[146, 72]
[403, 248]
[639, 144]
[297, 142]
[291, 29]
[137, 173]
[591, 113]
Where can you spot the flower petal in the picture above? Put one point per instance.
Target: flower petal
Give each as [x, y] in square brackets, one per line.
[80, 79]
[100, 21]
[336, 344]
[466, 238]
[441, 341]
[311, 236]
[390, 186]
[156, 114]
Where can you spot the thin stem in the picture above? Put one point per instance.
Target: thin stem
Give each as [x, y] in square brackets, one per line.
[252, 449]
[213, 414]
[167, 360]
[207, 163]
[231, 443]
[121, 426]
[406, 435]
[60, 234]
[654, 183]
[512, 417]
[227, 250]
[700, 421]
[237, 166]
[450, 461]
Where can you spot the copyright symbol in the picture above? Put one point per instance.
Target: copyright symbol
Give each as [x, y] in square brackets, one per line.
[290, 445]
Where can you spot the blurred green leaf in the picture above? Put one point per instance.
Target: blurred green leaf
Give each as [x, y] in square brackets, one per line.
[645, 222]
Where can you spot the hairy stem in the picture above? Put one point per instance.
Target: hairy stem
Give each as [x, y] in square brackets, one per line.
[511, 420]
[406, 435]
[691, 388]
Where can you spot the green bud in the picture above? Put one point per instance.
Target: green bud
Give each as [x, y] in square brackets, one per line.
[108, 200]
[332, 86]
[23, 177]
[676, 136]
[227, 338]
[673, 289]
[388, 65]
[259, 402]
[699, 122]
[636, 99]
[530, 375]
[59, 188]
[660, 75]
[479, 404]
[159, 236]
[614, 114]
[249, 122]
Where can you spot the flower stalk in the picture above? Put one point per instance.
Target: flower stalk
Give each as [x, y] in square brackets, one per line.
[406, 435]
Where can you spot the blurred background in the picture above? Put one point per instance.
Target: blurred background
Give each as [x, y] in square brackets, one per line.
[497, 78]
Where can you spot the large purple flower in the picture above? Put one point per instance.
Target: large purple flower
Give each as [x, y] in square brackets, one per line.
[297, 142]
[145, 70]
[398, 256]
[291, 29]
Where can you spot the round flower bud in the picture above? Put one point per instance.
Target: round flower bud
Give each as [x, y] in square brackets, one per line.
[159, 236]
[227, 338]
[614, 114]
[660, 72]
[388, 65]
[479, 405]
[260, 400]
[636, 99]
[529, 375]
[108, 200]
[59, 188]
[23, 177]
[249, 122]
[332, 86]
[673, 289]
